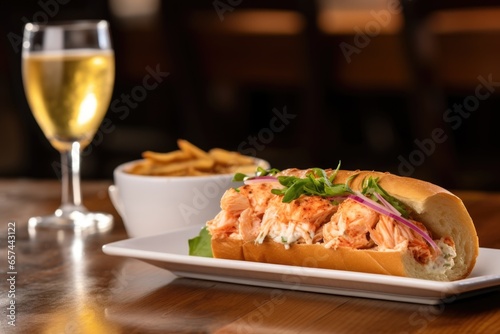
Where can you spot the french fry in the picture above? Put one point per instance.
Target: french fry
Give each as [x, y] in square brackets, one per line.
[142, 168]
[229, 158]
[167, 157]
[197, 172]
[167, 169]
[189, 148]
[190, 160]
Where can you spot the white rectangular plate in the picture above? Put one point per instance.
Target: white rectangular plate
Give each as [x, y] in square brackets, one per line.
[170, 251]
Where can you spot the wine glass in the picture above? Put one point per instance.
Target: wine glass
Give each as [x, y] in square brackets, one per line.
[68, 75]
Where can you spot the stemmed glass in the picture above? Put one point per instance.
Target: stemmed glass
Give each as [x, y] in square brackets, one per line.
[68, 75]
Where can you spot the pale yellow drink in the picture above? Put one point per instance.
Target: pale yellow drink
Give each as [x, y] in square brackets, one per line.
[69, 92]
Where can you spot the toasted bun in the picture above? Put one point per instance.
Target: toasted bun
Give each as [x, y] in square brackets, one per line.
[443, 213]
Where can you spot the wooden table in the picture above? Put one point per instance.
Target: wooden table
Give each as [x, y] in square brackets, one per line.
[65, 284]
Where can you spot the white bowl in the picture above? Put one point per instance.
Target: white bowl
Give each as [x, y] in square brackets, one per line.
[152, 205]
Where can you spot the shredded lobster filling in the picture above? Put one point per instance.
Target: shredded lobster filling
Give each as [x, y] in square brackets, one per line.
[252, 213]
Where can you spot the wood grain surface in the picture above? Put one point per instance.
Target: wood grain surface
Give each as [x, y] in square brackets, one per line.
[64, 283]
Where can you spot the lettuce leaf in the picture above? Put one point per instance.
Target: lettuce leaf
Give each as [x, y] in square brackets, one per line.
[201, 245]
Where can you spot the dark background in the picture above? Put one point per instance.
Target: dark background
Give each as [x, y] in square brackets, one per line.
[231, 75]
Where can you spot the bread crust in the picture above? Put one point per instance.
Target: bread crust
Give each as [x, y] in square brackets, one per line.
[312, 256]
[442, 212]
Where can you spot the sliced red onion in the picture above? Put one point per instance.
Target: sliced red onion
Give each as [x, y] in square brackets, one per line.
[388, 212]
[260, 179]
[387, 204]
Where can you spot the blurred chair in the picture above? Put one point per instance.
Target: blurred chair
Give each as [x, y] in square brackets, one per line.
[429, 95]
[193, 79]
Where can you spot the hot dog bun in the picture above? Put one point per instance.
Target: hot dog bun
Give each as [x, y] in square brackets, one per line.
[443, 214]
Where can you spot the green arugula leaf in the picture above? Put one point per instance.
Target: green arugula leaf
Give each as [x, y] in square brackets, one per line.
[316, 183]
[264, 172]
[370, 186]
[238, 177]
[201, 245]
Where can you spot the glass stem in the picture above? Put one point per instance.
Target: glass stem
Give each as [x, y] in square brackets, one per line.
[70, 176]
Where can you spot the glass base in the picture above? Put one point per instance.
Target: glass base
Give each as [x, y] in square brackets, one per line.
[89, 222]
